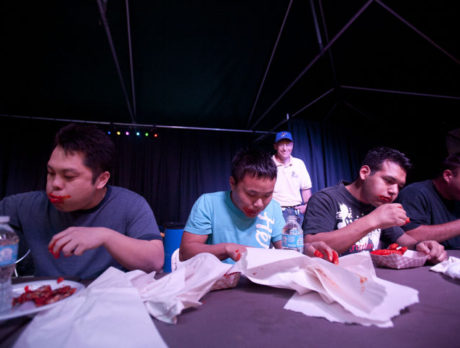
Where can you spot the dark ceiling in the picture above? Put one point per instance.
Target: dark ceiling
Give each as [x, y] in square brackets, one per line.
[232, 64]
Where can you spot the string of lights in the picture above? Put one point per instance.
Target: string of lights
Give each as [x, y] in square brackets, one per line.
[136, 129]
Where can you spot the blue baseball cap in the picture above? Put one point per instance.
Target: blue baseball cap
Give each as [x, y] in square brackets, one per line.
[283, 135]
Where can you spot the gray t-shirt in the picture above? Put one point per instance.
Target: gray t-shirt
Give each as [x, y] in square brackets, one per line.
[334, 207]
[36, 221]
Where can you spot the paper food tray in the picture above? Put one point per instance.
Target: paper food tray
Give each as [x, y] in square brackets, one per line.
[410, 259]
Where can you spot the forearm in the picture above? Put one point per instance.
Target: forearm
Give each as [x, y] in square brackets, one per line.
[191, 249]
[306, 194]
[407, 240]
[342, 239]
[438, 233]
[134, 253]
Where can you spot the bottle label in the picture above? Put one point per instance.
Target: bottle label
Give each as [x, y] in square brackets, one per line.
[293, 240]
[8, 254]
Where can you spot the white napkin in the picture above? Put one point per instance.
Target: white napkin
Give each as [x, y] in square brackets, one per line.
[450, 267]
[167, 297]
[396, 298]
[109, 313]
[349, 293]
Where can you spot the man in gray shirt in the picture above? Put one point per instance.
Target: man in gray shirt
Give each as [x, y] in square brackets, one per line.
[81, 226]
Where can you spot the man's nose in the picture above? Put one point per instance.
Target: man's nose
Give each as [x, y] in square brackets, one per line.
[258, 203]
[57, 183]
[393, 190]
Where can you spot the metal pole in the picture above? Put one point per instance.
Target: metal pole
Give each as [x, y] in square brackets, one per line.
[297, 112]
[331, 58]
[269, 64]
[131, 68]
[136, 125]
[326, 48]
[417, 94]
[417, 31]
[315, 21]
[115, 58]
[312, 102]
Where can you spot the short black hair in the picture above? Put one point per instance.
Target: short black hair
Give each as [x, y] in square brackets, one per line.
[376, 156]
[451, 162]
[253, 161]
[96, 146]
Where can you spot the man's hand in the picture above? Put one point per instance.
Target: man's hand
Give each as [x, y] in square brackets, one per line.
[76, 240]
[301, 208]
[322, 250]
[234, 251]
[388, 215]
[433, 249]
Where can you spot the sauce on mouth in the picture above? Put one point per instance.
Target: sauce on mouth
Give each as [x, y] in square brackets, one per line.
[57, 199]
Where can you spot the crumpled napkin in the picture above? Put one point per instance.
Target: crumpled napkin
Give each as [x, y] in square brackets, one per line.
[450, 267]
[167, 297]
[396, 298]
[108, 313]
[349, 293]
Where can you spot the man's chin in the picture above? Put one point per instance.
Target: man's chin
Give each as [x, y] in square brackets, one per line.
[62, 207]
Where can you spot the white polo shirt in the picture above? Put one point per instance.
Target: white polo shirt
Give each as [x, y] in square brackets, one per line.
[291, 178]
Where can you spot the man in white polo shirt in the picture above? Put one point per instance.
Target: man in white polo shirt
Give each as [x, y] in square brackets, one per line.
[293, 183]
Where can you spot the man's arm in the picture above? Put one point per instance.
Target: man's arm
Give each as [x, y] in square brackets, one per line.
[385, 216]
[131, 253]
[193, 244]
[435, 251]
[306, 194]
[316, 249]
[438, 233]
[343, 238]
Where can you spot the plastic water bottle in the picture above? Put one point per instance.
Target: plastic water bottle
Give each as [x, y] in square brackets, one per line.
[292, 237]
[8, 254]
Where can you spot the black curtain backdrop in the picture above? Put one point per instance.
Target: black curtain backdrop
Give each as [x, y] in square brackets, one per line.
[173, 170]
[331, 152]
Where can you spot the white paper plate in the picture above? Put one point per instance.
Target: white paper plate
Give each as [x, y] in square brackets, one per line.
[28, 308]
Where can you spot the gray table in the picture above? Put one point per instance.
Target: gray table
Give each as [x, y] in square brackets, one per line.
[252, 315]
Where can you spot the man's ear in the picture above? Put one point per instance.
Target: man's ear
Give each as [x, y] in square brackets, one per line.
[364, 172]
[102, 180]
[232, 182]
[447, 175]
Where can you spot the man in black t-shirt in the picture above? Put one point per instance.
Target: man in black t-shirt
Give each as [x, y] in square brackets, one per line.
[357, 216]
[434, 205]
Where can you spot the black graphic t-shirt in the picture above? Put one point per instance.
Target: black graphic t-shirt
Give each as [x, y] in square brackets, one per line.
[334, 207]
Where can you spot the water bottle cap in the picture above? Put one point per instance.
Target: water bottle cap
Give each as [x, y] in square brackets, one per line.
[4, 219]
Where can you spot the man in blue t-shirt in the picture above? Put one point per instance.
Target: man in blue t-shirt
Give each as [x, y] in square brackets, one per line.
[356, 216]
[434, 205]
[224, 223]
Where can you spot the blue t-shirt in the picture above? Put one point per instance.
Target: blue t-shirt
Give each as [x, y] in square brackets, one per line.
[215, 214]
[36, 221]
